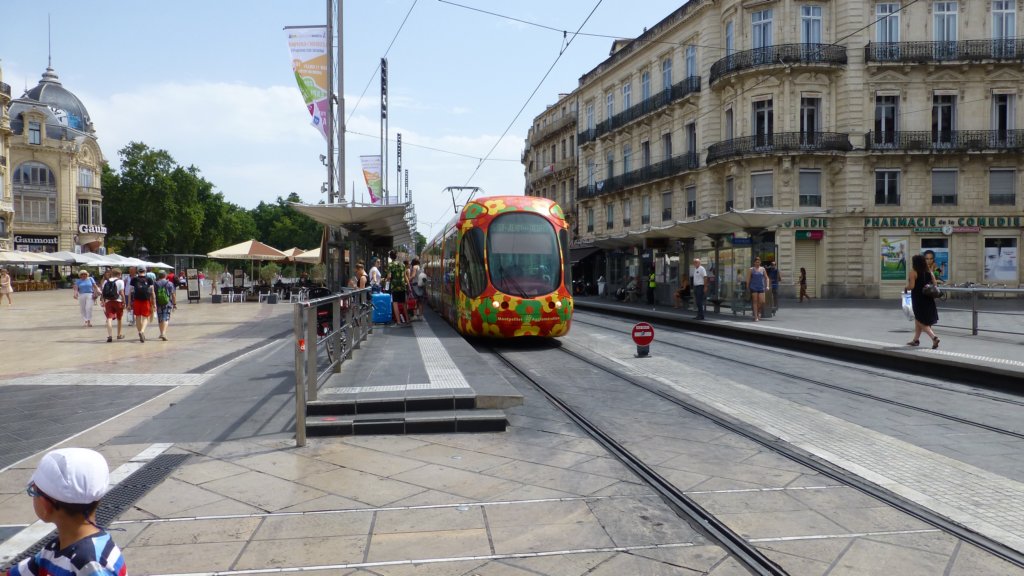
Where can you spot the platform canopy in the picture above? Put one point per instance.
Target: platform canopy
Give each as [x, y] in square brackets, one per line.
[248, 250]
[392, 220]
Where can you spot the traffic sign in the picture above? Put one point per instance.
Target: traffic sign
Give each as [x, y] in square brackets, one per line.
[643, 334]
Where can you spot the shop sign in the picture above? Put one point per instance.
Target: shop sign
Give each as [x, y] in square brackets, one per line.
[742, 241]
[807, 223]
[810, 234]
[30, 240]
[936, 222]
[91, 229]
[947, 230]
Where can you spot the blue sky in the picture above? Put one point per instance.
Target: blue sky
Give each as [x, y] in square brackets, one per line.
[210, 82]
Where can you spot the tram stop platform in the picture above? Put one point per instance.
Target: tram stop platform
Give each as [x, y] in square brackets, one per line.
[419, 378]
[872, 331]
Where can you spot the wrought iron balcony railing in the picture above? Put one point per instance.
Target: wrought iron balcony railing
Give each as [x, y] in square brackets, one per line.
[1002, 49]
[779, 142]
[664, 169]
[787, 54]
[551, 127]
[657, 101]
[946, 141]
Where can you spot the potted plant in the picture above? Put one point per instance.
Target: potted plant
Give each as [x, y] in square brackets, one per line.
[267, 274]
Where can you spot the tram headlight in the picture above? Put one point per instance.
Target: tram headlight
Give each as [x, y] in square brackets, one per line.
[558, 304]
[495, 303]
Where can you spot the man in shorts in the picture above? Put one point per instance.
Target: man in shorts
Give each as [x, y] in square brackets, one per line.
[113, 302]
[164, 303]
[143, 302]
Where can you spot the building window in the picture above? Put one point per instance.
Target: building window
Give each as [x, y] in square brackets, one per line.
[590, 219]
[810, 119]
[564, 149]
[887, 188]
[86, 177]
[886, 113]
[666, 74]
[564, 198]
[729, 124]
[627, 213]
[1002, 119]
[1001, 259]
[645, 153]
[627, 95]
[83, 212]
[810, 188]
[666, 146]
[730, 194]
[645, 209]
[730, 40]
[627, 158]
[590, 116]
[572, 145]
[944, 187]
[888, 27]
[761, 194]
[609, 107]
[764, 121]
[609, 165]
[666, 206]
[645, 86]
[591, 173]
[1004, 27]
[761, 27]
[609, 221]
[691, 201]
[1002, 187]
[810, 26]
[944, 30]
[943, 119]
[35, 133]
[691, 137]
[691, 62]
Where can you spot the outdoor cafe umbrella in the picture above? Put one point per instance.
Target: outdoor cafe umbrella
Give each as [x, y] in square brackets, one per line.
[292, 253]
[30, 258]
[251, 250]
[309, 256]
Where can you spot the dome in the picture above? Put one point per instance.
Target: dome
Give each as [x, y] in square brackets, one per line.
[68, 109]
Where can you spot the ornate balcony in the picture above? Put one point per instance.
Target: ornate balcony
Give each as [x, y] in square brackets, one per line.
[664, 169]
[552, 127]
[1001, 50]
[946, 141]
[779, 142]
[785, 54]
[656, 102]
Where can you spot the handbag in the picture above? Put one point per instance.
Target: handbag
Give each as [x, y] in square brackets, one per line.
[931, 291]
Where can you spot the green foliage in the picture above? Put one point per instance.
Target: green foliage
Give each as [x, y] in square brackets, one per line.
[421, 242]
[268, 271]
[318, 272]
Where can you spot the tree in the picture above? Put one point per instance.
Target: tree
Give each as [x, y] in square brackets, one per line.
[138, 200]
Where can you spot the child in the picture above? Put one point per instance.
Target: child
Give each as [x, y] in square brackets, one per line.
[66, 489]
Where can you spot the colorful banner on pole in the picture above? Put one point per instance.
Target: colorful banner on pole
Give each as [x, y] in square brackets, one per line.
[308, 45]
[373, 177]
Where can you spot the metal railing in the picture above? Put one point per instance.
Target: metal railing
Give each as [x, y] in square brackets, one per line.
[777, 142]
[671, 167]
[656, 101]
[779, 54]
[946, 140]
[1004, 307]
[326, 330]
[999, 49]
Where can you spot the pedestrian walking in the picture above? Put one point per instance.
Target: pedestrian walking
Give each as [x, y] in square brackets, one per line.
[926, 314]
[166, 300]
[126, 280]
[775, 276]
[803, 284]
[66, 488]
[757, 281]
[396, 282]
[86, 292]
[113, 296]
[143, 302]
[6, 288]
[700, 276]
[652, 285]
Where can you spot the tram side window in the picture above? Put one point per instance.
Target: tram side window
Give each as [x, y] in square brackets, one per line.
[472, 274]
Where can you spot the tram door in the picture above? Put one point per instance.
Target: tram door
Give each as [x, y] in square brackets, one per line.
[807, 258]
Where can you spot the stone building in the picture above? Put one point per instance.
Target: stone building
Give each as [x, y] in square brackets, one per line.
[888, 128]
[6, 203]
[54, 169]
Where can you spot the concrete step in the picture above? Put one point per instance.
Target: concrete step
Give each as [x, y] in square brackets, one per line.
[377, 403]
[419, 422]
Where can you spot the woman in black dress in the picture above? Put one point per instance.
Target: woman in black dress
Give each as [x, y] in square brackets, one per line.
[925, 312]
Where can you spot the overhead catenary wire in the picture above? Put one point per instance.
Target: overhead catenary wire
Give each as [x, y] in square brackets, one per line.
[377, 69]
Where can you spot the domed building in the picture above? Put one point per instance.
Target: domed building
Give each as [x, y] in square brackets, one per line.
[55, 166]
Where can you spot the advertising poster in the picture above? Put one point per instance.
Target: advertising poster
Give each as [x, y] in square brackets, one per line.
[941, 262]
[1000, 260]
[308, 46]
[894, 258]
[372, 175]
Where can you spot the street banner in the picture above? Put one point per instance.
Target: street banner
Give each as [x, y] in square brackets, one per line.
[308, 46]
[372, 175]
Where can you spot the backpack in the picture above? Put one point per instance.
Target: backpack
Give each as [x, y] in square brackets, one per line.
[142, 288]
[162, 297]
[110, 289]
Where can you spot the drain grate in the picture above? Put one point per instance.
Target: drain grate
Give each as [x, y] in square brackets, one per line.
[119, 499]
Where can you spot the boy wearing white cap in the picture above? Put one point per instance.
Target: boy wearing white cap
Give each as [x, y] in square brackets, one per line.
[66, 488]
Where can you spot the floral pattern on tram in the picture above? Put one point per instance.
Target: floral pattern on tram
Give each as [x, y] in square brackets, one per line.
[496, 314]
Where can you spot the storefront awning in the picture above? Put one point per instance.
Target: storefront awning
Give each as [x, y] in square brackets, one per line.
[577, 254]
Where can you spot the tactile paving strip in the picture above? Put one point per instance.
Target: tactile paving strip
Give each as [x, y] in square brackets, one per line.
[119, 499]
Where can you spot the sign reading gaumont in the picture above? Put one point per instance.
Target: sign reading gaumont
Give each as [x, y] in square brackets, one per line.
[91, 229]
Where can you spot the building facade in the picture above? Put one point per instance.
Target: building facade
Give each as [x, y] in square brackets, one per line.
[6, 201]
[54, 169]
[890, 125]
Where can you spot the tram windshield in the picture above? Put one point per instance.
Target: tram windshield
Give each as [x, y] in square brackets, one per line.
[522, 254]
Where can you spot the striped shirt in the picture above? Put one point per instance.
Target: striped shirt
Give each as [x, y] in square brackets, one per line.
[96, 555]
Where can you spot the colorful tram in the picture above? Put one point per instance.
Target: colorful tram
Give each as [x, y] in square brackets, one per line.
[500, 269]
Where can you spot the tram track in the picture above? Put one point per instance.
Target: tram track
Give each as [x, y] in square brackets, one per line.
[846, 390]
[700, 517]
